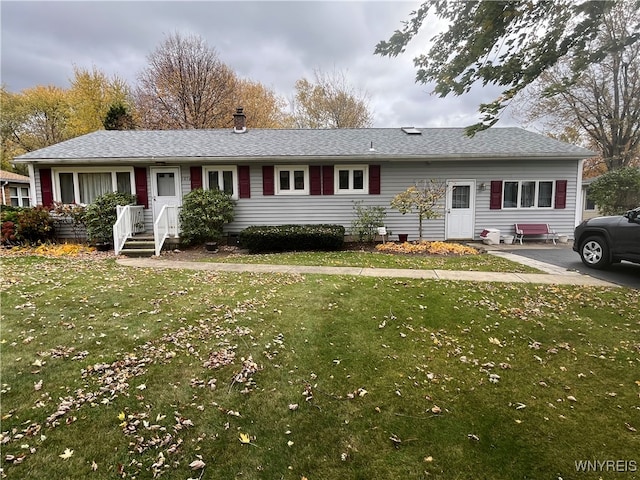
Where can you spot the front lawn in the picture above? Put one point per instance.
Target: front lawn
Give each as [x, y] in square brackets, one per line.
[115, 372]
[367, 259]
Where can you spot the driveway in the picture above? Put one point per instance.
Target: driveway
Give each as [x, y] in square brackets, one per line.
[624, 273]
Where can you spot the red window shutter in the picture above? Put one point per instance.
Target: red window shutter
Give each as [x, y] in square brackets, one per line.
[244, 181]
[495, 202]
[315, 179]
[196, 178]
[327, 179]
[561, 194]
[374, 179]
[46, 187]
[140, 177]
[267, 180]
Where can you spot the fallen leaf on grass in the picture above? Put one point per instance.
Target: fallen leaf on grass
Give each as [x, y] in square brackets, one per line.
[67, 454]
[197, 464]
[244, 438]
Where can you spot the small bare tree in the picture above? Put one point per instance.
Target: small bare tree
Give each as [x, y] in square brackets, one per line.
[185, 86]
[423, 198]
[330, 102]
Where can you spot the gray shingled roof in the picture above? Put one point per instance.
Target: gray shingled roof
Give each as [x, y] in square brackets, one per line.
[388, 143]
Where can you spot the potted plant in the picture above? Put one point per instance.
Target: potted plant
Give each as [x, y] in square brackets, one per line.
[203, 215]
[101, 215]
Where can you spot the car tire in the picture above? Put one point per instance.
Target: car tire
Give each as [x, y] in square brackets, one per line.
[594, 252]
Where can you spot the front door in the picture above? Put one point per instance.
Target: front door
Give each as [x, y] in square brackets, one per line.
[460, 209]
[165, 191]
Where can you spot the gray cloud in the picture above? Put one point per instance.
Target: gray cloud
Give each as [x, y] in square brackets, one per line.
[274, 43]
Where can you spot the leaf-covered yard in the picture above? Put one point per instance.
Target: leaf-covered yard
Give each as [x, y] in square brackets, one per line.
[114, 372]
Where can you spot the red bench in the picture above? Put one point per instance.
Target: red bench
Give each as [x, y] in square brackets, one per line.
[523, 229]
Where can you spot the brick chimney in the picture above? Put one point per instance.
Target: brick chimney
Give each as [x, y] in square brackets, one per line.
[239, 121]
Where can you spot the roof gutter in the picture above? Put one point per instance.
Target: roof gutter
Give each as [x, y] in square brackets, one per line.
[301, 158]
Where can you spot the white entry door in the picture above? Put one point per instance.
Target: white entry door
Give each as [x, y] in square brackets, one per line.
[460, 209]
[166, 191]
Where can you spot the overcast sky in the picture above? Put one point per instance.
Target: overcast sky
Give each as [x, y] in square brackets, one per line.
[274, 43]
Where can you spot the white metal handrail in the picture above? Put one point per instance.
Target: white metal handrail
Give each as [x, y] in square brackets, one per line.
[165, 226]
[130, 220]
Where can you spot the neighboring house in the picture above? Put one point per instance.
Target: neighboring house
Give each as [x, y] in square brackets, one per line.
[496, 178]
[15, 189]
[589, 208]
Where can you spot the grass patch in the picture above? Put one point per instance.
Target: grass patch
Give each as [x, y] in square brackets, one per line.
[479, 263]
[140, 373]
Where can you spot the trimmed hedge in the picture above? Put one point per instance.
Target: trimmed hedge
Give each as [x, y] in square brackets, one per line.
[286, 238]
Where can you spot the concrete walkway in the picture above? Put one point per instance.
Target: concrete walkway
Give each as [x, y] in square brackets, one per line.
[554, 275]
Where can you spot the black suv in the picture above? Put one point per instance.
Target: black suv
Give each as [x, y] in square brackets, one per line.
[602, 241]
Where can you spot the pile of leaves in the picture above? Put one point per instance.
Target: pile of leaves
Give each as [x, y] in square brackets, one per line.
[53, 250]
[432, 248]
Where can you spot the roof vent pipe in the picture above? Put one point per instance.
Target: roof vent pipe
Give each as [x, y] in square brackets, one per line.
[239, 121]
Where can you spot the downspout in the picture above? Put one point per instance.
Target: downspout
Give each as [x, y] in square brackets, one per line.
[33, 200]
[579, 199]
[4, 194]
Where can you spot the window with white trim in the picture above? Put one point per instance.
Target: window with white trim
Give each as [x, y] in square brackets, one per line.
[223, 178]
[292, 180]
[19, 196]
[84, 185]
[352, 179]
[528, 194]
[589, 204]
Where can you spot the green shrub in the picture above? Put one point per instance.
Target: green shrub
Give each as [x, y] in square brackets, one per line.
[616, 191]
[101, 215]
[368, 219]
[34, 225]
[284, 238]
[9, 213]
[203, 214]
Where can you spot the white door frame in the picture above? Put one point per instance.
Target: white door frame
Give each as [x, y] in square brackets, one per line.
[450, 221]
[157, 201]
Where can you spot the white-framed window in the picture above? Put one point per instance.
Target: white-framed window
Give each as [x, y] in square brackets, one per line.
[351, 179]
[19, 196]
[589, 204]
[222, 177]
[528, 194]
[84, 185]
[292, 180]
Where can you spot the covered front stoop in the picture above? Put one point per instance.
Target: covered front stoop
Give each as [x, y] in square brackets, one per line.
[143, 245]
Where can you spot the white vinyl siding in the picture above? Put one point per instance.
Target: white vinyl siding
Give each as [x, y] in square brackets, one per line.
[397, 177]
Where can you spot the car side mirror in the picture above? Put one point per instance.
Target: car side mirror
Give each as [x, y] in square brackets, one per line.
[632, 216]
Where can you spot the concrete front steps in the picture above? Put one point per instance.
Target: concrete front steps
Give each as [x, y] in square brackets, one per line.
[141, 245]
